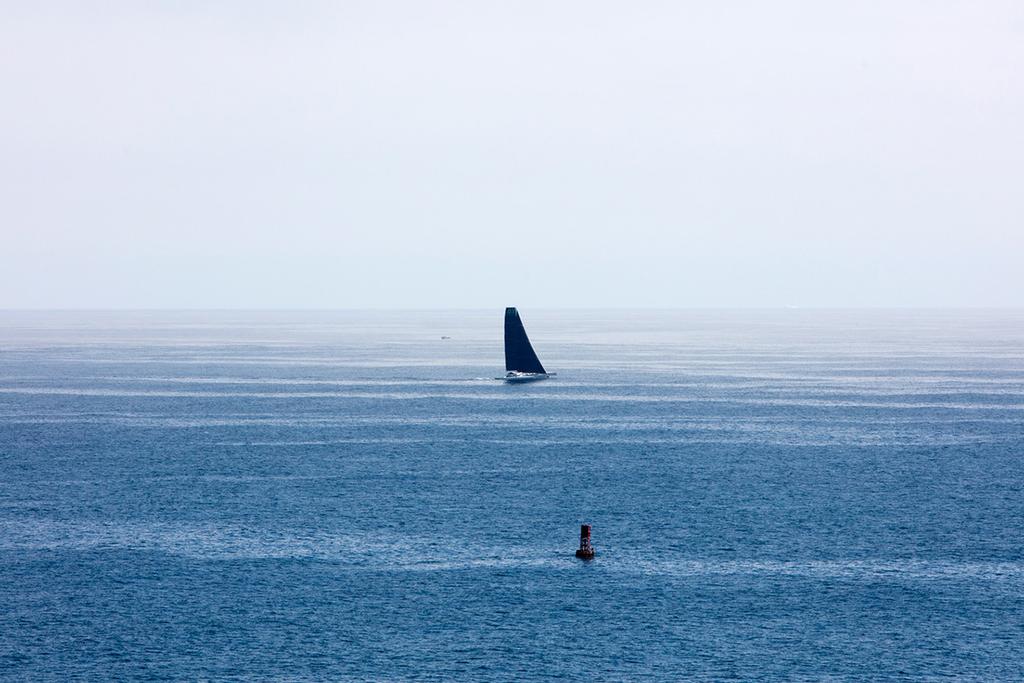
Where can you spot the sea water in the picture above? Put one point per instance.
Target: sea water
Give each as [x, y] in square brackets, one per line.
[775, 495]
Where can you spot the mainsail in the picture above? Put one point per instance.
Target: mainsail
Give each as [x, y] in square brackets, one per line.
[519, 354]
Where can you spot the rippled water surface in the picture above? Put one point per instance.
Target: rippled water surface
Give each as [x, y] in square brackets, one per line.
[787, 495]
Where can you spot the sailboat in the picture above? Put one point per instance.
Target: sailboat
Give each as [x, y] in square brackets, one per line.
[521, 362]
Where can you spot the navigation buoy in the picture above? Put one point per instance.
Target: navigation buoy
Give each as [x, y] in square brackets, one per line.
[585, 551]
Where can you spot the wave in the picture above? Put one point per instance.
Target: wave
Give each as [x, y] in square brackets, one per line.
[531, 395]
[388, 551]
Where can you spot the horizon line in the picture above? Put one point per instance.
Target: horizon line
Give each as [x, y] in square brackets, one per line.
[399, 309]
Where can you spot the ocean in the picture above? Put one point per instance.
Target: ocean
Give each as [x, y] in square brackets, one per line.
[775, 495]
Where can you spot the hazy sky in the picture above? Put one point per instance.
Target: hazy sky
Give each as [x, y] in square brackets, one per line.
[539, 154]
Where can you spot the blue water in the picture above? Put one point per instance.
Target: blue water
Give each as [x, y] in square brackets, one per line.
[787, 495]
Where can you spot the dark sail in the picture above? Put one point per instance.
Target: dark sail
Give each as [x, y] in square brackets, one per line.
[519, 354]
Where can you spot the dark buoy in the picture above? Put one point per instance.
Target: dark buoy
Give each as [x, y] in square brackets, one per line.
[585, 551]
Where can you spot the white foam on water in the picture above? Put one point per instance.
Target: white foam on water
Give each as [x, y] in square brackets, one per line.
[384, 550]
[534, 395]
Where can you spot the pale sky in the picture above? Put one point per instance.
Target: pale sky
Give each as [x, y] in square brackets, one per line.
[341, 154]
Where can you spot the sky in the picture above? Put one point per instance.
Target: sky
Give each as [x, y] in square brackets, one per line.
[383, 154]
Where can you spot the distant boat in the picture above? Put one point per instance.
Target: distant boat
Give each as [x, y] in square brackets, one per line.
[521, 362]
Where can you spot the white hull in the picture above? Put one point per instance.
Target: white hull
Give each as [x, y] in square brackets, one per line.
[520, 377]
